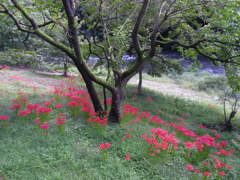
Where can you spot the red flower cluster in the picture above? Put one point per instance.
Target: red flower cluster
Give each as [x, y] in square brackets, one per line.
[61, 119]
[15, 106]
[185, 131]
[45, 126]
[4, 118]
[105, 146]
[161, 140]
[32, 107]
[43, 110]
[130, 110]
[101, 121]
[24, 112]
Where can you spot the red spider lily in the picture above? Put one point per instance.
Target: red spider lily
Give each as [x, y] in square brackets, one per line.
[228, 167]
[123, 139]
[73, 104]
[128, 109]
[157, 120]
[189, 167]
[128, 156]
[207, 140]
[199, 146]
[32, 106]
[60, 123]
[185, 131]
[24, 112]
[23, 99]
[76, 98]
[44, 110]
[202, 126]
[88, 110]
[101, 121]
[207, 173]
[189, 145]
[219, 165]
[128, 136]
[105, 146]
[61, 119]
[197, 171]
[217, 136]
[58, 106]
[5, 118]
[138, 119]
[58, 92]
[222, 173]
[224, 152]
[109, 101]
[48, 103]
[37, 121]
[15, 106]
[162, 139]
[44, 126]
[223, 144]
[206, 164]
[145, 115]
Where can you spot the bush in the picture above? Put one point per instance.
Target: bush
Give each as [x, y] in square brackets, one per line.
[14, 57]
[211, 84]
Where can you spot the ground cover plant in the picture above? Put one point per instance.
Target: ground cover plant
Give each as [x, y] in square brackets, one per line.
[54, 133]
[106, 30]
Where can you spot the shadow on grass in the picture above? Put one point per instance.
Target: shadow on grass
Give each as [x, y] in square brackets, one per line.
[170, 108]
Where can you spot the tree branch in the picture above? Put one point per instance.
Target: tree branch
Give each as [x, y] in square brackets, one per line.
[73, 39]
[135, 42]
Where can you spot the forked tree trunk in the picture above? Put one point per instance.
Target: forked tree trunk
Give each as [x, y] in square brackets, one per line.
[117, 98]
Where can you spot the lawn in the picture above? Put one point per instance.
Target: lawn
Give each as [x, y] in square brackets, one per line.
[29, 153]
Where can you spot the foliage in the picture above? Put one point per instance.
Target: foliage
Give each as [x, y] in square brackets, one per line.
[15, 57]
[211, 84]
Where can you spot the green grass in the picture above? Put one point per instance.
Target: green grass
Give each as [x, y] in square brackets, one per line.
[26, 154]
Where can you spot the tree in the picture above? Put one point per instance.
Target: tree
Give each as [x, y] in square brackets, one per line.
[132, 27]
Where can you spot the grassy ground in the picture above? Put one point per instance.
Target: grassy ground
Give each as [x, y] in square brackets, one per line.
[28, 155]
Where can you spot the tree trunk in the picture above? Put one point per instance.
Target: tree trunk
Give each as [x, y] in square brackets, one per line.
[92, 92]
[105, 99]
[65, 69]
[117, 98]
[140, 82]
[228, 126]
[93, 95]
[115, 113]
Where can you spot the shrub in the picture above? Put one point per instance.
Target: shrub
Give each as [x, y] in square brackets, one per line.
[14, 57]
[211, 84]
